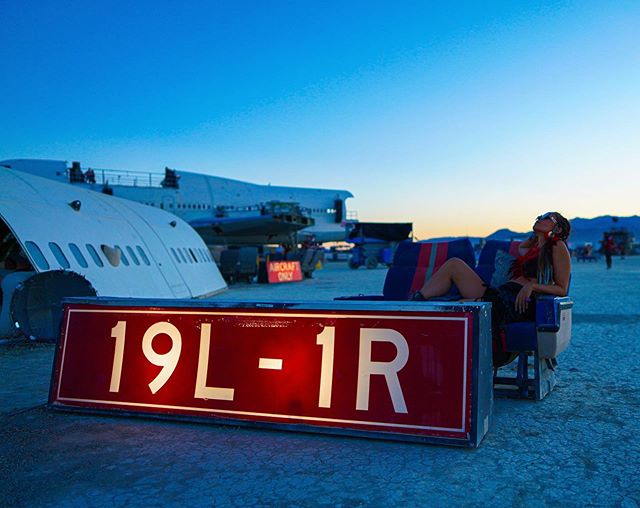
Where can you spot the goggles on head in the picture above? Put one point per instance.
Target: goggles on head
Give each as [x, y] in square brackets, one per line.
[548, 215]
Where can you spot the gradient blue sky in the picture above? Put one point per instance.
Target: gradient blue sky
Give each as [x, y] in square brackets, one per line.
[462, 117]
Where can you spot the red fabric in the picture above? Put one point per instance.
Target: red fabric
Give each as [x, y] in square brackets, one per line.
[421, 268]
[513, 249]
[517, 269]
[441, 256]
[425, 268]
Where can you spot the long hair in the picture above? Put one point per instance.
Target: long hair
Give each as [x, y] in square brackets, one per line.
[560, 233]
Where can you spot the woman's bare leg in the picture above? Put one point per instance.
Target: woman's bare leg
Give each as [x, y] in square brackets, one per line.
[454, 271]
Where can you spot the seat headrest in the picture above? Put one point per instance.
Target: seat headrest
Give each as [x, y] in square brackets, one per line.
[415, 262]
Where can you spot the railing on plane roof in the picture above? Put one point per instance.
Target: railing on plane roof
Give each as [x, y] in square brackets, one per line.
[117, 177]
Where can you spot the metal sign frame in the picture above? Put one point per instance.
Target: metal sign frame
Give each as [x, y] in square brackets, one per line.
[86, 357]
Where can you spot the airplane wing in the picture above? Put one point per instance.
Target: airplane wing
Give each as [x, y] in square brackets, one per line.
[255, 229]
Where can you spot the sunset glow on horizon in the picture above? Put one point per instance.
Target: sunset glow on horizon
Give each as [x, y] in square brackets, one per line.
[461, 118]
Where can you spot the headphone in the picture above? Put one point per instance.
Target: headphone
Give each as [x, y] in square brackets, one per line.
[557, 229]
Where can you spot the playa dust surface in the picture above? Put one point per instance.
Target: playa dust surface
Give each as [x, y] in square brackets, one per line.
[578, 447]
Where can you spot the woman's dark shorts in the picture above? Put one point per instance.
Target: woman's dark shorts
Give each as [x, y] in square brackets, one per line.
[503, 311]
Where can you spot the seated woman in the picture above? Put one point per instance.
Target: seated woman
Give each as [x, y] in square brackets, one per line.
[543, 267]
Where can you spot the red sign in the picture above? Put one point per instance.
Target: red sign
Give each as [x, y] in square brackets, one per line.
[284, 271]
[407, 373]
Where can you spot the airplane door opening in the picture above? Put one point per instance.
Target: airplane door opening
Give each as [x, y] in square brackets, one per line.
[168, 203]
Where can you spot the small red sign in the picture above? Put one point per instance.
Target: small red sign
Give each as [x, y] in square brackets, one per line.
[284, 271]
[403, 373]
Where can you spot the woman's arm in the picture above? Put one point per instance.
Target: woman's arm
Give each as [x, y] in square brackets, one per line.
[561, 272]
[561, 275]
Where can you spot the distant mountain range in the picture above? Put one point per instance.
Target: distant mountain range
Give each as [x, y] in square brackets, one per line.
[582, 230]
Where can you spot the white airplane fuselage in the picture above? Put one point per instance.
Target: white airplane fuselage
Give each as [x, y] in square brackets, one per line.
[205, 201]
[124, 249]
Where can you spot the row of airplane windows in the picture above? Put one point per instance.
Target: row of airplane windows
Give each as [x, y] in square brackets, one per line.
[188, 255]
[126, 258]
[189, 206]
[63, 260]
[197, 206]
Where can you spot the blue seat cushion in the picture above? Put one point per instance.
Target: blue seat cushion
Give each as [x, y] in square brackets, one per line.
[522, 336]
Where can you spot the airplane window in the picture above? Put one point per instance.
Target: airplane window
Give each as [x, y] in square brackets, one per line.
[132, 255]
[37, 255]
[175, 255]
[195, 260]
[57, 252]
[122, 256]
[112, 254]
[184, 259]
[94, 254]
[186, 255]
[143, 255]
[202, 256]
[78, 255]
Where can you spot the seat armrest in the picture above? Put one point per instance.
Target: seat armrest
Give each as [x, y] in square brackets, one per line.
[549, 312]
[553, 324]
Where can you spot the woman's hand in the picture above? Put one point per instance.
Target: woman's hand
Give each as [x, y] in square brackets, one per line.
[524, 297]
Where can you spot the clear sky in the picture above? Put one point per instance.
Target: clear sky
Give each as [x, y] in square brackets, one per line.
[461, 117]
